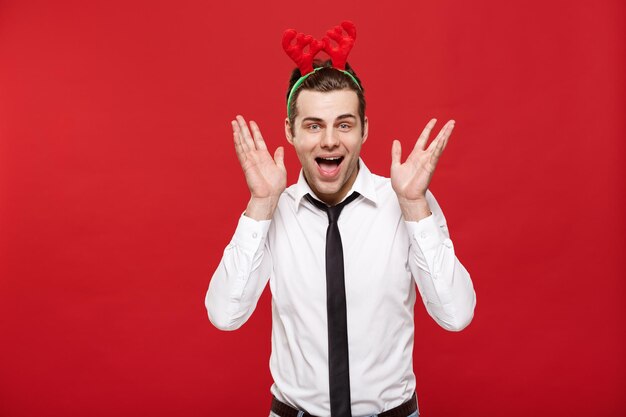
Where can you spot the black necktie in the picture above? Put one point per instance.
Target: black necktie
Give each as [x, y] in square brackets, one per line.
[338, 367]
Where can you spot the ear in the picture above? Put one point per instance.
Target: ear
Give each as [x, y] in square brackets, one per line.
[365, 129]
[288, 131]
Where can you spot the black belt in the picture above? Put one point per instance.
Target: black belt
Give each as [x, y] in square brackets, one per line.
[403, 410]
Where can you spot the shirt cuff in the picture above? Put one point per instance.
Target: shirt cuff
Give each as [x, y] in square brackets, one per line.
[427, 234]
[250, 233]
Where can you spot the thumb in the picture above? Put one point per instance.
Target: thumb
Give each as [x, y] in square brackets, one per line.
[279, 157]
[396, 152]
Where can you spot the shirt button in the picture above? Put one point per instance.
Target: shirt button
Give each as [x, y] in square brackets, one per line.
[423, 235]
[254, 235]
[448, 243]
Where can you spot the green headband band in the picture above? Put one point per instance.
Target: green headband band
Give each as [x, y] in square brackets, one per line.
[305, 76]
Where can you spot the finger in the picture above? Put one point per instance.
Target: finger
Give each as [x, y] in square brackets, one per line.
[439, 147]
[421, 141]
[441, 144]
[238, 137]
[256, 134]
[396, 153]
[434, 158]
[445, 142]
[241, 155]
[279, 157]
[246, 137]
[445, 132]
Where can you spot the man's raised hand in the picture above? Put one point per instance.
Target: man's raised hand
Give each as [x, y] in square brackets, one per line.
[266, 176]
[411, 179]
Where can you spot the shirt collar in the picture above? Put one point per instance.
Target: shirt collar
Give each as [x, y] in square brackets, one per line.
[363, 184]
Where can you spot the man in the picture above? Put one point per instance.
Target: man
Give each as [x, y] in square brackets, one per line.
[392, 234]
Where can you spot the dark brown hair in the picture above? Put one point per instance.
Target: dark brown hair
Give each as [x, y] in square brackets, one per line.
[325, 80]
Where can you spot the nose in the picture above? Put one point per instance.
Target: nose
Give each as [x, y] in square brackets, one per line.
[330, 139]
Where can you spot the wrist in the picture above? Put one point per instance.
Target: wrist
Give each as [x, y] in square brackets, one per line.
[261, 208]
[414, 210]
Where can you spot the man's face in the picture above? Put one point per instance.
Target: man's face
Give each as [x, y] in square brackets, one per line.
[327, 138]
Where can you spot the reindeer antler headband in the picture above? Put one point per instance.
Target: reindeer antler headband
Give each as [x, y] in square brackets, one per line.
[304, 60]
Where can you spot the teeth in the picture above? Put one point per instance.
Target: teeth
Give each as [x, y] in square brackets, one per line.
[331, 159]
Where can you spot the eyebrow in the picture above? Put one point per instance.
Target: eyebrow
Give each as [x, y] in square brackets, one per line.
[312, 119]
[318, 120]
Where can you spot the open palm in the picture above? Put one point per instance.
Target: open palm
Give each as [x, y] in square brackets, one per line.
[266, 176]
[411, 179]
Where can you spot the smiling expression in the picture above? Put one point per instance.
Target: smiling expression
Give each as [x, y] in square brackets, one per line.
[327, 139]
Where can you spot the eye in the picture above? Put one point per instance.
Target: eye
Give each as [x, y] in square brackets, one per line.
[344, 126]
[313, 126]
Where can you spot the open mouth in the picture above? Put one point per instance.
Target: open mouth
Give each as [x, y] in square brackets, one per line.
[329, 165]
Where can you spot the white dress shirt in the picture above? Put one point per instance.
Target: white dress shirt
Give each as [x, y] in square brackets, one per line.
[383, 256]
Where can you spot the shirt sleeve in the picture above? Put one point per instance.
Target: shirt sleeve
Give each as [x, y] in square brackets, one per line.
[443, 282]
[243, 272]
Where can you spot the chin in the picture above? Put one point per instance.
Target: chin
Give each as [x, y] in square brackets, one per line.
[329, 189]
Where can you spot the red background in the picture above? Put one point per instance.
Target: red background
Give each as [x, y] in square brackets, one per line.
[119, 189]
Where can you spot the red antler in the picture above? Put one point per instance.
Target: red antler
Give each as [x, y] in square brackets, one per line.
[339, 53]
[304, 60]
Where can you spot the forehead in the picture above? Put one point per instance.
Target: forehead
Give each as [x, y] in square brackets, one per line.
[327, 105]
